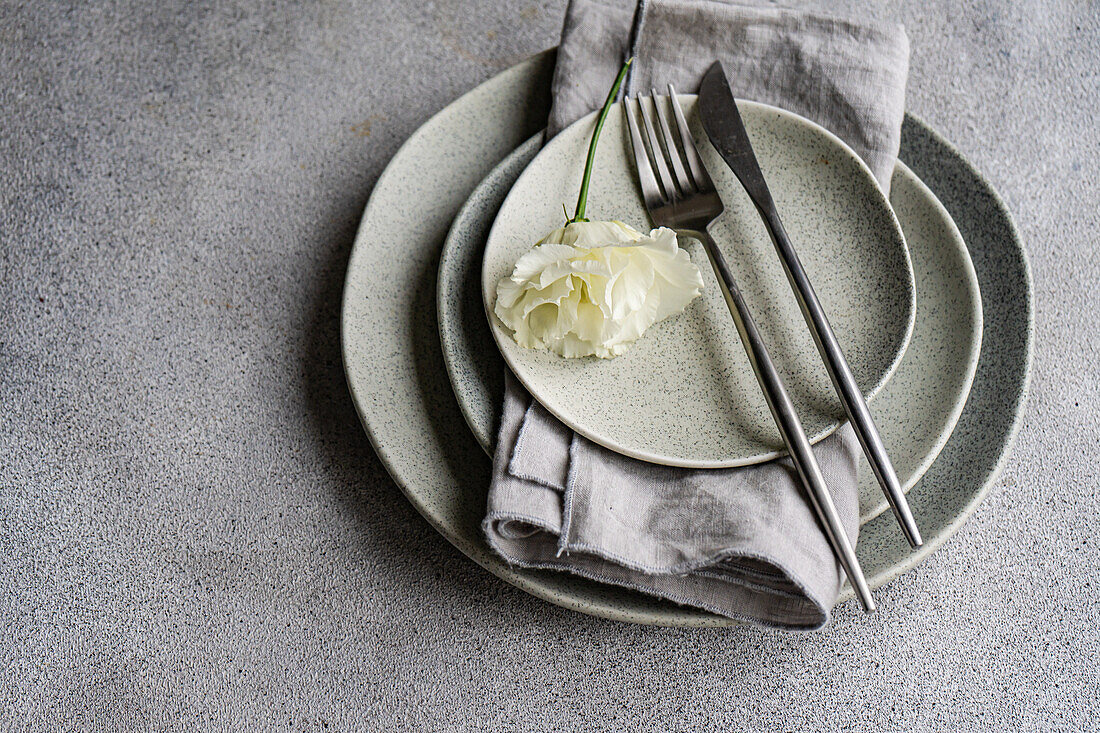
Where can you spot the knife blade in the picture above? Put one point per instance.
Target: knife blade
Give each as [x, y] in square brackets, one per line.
[726, 130]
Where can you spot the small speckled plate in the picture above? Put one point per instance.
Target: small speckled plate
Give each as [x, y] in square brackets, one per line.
[399, 386]
[685, 394]
[916, 410]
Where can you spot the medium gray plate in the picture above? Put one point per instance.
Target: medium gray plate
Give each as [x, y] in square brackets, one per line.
[400, 388]
[915, 411]
[685, 394]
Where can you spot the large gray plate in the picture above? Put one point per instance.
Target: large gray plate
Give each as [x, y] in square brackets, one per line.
[401, 391]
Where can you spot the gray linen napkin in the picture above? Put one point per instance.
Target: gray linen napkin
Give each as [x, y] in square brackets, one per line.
[742, 542]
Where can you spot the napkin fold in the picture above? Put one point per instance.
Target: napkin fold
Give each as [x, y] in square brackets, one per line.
[743, 542]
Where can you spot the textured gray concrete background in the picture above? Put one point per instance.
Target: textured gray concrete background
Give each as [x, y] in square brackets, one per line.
[193, 527]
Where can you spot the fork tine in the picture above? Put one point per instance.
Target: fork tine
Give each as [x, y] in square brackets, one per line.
[655, 147]
[650, 189]
[674, 156]
[695, 163]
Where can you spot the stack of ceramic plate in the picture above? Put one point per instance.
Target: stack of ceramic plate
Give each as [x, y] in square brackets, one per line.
[947, 375]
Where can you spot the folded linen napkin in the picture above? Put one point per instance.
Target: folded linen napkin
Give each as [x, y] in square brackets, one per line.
[740, 542]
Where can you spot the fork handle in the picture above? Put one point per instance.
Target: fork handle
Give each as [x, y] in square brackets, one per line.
[790, 427]
[841, 375]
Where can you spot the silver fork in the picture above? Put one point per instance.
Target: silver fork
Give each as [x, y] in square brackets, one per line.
[680, 195]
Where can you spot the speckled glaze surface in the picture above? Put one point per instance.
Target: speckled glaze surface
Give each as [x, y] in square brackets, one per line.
[920, 405]
[400, 389]
[685, 394]
[915, 411]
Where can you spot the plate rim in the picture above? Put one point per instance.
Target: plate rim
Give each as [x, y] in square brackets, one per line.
[501, 335]
[974, 357]
[949, 530]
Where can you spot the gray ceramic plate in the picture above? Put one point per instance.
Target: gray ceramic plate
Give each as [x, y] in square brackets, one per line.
[915, 411]
[685, 394]
[400, 388]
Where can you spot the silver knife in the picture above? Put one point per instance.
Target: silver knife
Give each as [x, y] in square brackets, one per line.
[727, 133]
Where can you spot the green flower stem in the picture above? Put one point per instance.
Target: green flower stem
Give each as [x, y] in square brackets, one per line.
[582, 199]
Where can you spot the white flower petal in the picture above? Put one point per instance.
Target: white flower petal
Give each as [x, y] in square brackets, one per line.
[540, 257]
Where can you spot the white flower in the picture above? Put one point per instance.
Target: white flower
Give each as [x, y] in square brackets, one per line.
[592, 288]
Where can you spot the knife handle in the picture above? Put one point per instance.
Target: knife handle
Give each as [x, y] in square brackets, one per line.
[845, 383]
[790, 427]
